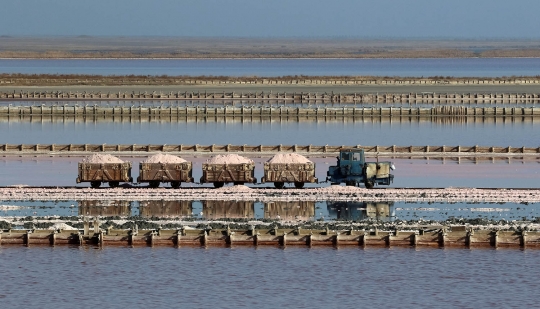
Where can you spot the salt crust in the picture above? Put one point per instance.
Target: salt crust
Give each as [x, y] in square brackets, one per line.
[288, 158]
[163, 158]
[237, 188]
[61, 226]
[101, 158]
[229, 159]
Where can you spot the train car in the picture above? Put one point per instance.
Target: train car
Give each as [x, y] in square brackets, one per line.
[297, 173]
[156, 173]
[97, 173]
[219, 174]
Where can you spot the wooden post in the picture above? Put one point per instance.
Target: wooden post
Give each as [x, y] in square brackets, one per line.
[52, 238]
[442, 237]
[27, 238]
[86, 225]
[495, 238]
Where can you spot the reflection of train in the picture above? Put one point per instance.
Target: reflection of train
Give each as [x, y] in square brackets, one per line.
[351, 169]
[360, 210]
[104, 208]
[228, 209]
[165, 209]
[300, 210]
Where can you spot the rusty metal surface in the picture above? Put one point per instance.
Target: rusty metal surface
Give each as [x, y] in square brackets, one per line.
[104, 172]
[289, 172]
[165, 172]
[378, 170]
[228, 173]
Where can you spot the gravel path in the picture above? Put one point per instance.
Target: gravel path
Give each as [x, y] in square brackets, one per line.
[336, 193]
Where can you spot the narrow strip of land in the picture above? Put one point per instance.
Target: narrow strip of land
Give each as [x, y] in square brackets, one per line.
[332, 193]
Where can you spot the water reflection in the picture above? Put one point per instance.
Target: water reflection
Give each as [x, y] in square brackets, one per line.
[289, 211]
[381, 211]
[165, 209]
[302, 130]
[228, 209]
[104, 208]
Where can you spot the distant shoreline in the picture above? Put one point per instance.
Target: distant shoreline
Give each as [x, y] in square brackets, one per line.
[260, 48]
[255, 57]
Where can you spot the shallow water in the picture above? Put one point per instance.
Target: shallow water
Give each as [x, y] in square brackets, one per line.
[67, 277]
[515, 132]
[470, 67]
[277, 210]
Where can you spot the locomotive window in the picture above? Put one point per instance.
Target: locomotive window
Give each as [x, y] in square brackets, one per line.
[356, 156]
[346, 156]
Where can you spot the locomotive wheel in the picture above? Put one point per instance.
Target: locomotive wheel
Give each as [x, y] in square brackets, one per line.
[369, 184]
[95, 184]
[279, 185]
[175, 184]
[153, 184]
[298, 185]
[218, 184]
[350, 183]
[238, 183]
[114, 184]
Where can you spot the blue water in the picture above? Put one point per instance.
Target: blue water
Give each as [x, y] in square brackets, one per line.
[220, 131]
[294, 211]
[112, 277]
[484, 67]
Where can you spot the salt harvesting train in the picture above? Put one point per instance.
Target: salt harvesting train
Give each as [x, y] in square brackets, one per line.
[351, 169]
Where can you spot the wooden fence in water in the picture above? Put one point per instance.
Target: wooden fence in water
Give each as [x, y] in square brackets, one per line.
[268, 111]
[299, 97]
[442, 236]
[261, 149]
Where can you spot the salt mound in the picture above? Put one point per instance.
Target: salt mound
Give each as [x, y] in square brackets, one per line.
[237, 188]
[288, 158]
[338, 188]
[228, 159]
[101, 158]
[163, 158]
[61, 226]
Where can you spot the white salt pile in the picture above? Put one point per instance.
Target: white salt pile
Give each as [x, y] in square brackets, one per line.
[10, 207]
[288, 158]
[61, 226]
[101, 158]
[163, 158]
[228, 159]
[237, 188]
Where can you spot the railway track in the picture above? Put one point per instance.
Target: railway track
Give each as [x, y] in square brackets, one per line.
[335, 193]
[271, 187]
